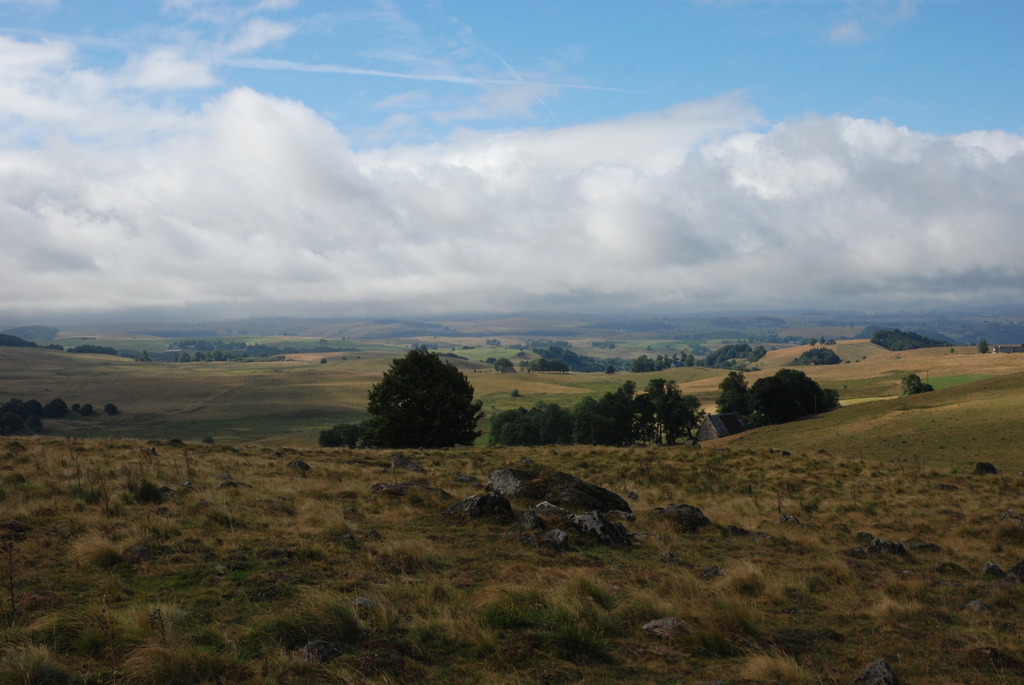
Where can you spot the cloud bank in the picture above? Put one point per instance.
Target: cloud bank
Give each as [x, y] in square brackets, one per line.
[255, 204]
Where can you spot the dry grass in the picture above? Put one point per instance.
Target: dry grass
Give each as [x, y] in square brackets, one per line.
[231, 582]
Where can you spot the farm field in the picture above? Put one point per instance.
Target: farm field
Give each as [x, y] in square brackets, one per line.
[137, 552]
[287, 403]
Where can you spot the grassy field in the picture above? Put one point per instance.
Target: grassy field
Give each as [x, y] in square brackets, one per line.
[115, 572]
[288, 403]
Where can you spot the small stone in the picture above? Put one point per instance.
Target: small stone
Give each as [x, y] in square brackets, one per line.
[857, 552]
[789, 519]
[667, 627]
[880, 546]
[320, 651]
[400, 461]
[865, 536]
[364, 604]
[977, 606]
[557, 539]
[877, 673]
[712, 572]
[299, 465]
[373, 536]
[1016, 572]
[984, 468]
[140, 552]
[992, 569]
[633, 496]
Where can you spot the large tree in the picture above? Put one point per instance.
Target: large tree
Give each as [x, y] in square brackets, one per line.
[422, 401]
[735, 395]
[787, 396]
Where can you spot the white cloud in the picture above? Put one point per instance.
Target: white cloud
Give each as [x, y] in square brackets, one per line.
[166, 68]
[253, 202]
[258, 33]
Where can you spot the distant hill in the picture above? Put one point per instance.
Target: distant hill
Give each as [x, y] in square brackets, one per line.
[897, 340]
[33, 332]
[14, 341]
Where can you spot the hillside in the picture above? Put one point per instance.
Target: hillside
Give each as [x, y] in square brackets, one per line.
[288, 403]
[157, 562]
[976, 421]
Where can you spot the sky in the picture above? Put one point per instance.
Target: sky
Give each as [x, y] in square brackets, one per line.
[232, 158]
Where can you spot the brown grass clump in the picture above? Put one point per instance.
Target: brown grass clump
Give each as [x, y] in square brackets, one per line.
[35, 664]
[776, 668]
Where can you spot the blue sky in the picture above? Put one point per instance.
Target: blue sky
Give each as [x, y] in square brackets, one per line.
[421, 156]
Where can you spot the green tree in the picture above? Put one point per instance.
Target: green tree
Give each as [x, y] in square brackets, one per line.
[913, 385]
[787, 396]
[342, 435]
[422, 401]
[673, 415]
[735, 395]
[504, 365]
[983, 346]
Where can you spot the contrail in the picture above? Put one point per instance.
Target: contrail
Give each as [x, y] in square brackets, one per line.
[287, 65]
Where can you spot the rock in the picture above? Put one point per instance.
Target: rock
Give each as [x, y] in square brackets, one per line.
[530, 520]
[977, 606]
[864, 537]
[712, 572]
[1016, 572]
[633, 497]
[364, 605]
[856, 552]
[491, 505]
[687, 518]
[983, 468]
[320, 651]
[140, 552]
[992, 569]
[667, 627]
[549, 510]
[1012, 515]
[400, 461]
[299, 465]
[877, 673]
[880, 546]
[557, 539]
[233, 484]
[920, 546]
[560, 488]
[789, 519]
[373, 536]
[464, 479]
[402, 489]
[735, 531]
[593, 524]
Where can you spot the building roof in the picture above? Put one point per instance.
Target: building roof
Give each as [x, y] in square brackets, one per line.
[727, 424]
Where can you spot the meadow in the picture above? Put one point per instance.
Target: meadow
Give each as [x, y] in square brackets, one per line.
[152, 562]
[133, 552]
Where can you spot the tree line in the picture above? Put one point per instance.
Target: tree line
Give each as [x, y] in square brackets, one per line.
[660, 414]
[788, 395]
[25, 416]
